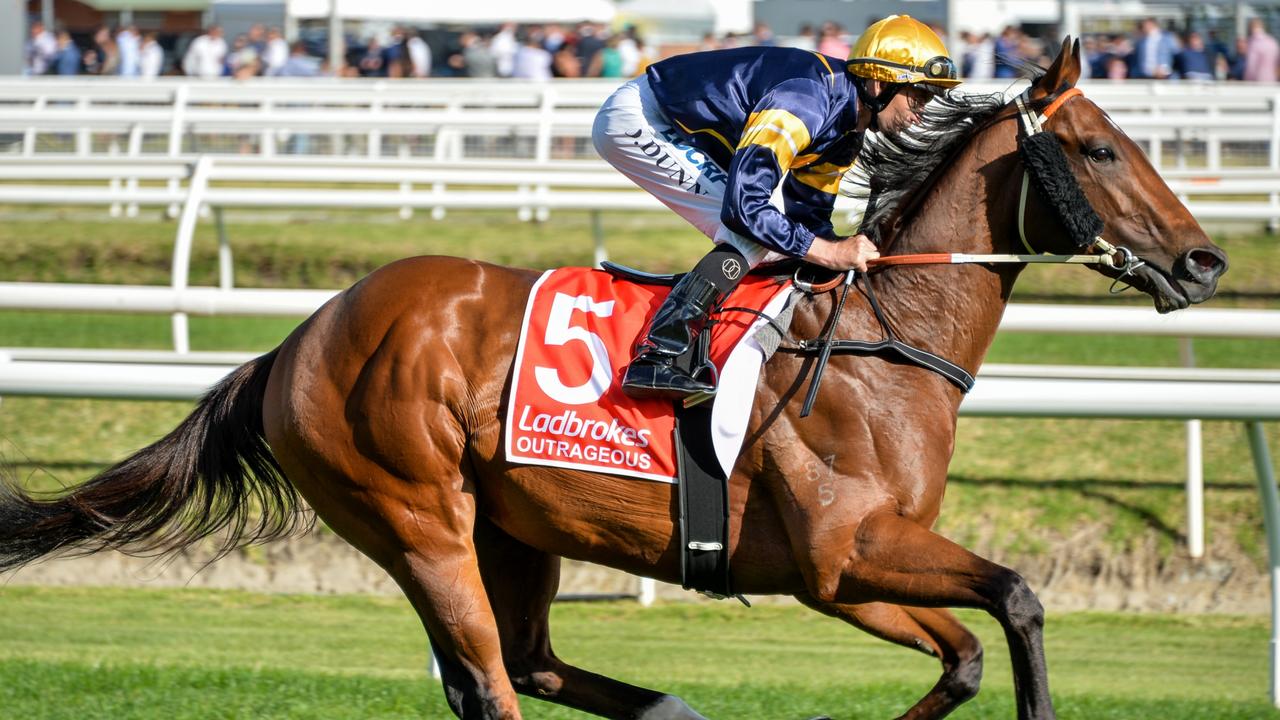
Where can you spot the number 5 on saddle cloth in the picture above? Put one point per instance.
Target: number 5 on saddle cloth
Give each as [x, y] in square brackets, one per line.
[567, 407]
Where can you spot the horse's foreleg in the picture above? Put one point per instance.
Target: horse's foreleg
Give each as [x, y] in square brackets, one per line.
[933, 631]
[898, 561]
[522, 582]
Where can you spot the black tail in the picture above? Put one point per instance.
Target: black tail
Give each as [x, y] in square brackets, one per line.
[212, 472]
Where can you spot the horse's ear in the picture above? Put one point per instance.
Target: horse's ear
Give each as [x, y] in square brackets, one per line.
[1065, 70]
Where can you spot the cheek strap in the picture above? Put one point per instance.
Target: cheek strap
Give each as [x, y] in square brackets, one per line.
[876, 103]
[1046, 167]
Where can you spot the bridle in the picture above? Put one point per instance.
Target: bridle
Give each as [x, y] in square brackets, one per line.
[1031, 124]
[1043, 163]
[1097, 250]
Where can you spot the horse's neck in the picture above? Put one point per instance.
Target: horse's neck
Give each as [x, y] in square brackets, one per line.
[953, 310]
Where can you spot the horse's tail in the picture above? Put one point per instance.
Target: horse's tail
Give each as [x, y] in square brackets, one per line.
[213, 472]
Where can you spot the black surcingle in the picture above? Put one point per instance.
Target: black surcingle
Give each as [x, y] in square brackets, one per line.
[1052, 177]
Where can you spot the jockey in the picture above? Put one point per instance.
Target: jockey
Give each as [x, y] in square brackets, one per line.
[713, 134]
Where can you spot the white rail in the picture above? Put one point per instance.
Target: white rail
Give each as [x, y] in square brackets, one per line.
[269, 110]
[1002, 390]
[1018, 317]
[530, 187]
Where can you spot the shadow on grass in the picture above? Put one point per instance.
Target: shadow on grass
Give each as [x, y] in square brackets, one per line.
[1095, 489]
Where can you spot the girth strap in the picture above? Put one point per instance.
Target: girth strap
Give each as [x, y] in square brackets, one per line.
[823, 346]
[947, 369]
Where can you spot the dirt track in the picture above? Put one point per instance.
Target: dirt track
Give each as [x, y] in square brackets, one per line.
[1080, 574]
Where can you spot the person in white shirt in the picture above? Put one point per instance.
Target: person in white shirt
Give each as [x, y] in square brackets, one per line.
[503, 46]
[419, 54]
[205, 55]
[129, 46]
[150, 57]
[41, 47]
[276, 53]
[629, 48]
[979, 53]
[532, 61]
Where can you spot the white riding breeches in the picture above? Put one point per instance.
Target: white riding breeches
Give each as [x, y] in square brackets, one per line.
[633, 134]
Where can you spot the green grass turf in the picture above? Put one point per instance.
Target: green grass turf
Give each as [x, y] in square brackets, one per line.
[126, 654]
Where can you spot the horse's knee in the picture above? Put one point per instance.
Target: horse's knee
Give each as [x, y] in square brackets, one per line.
[536, 674]
[1018, 605]
[962, 680]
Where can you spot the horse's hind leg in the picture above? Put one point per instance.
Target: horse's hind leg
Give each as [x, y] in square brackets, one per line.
[522, 582]
[933, 631]
[421, 534]
[449, 598]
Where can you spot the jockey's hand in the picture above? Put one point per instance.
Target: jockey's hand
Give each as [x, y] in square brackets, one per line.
[850, 253]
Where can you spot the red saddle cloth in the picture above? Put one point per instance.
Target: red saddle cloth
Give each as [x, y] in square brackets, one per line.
[567, 408]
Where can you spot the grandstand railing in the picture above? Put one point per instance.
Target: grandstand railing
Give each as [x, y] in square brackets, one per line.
[533, 188]
[455, 119]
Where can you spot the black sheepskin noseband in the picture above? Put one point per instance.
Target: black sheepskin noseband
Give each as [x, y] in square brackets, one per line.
[1047, 165]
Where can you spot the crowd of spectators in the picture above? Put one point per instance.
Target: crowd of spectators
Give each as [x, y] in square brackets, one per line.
[1150, 53]
[531, 52]
[538, 52]
[128, 52]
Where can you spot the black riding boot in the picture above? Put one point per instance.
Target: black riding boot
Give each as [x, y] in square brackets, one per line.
[672, 330]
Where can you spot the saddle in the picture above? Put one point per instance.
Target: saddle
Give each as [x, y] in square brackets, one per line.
[806, 275]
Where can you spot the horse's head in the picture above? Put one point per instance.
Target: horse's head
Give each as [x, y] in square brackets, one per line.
[1138, 211]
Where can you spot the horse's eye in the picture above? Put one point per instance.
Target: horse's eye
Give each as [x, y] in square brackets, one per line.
[1102, 155]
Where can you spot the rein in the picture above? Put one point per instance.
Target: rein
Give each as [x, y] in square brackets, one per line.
[1057, 185]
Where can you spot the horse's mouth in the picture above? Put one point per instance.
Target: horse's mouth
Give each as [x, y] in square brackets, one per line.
[1165, 291]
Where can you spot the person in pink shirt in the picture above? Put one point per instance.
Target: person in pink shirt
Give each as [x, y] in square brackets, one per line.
[1262, 55]
[832, 41]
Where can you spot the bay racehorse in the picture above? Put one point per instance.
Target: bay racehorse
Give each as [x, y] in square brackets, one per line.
[384, 410]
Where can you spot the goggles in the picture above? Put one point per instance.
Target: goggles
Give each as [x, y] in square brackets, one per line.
[938, 68]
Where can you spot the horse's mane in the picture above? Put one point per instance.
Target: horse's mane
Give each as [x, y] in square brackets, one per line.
[893, 169]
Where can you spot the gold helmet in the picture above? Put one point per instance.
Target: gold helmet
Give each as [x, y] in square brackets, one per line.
[900, 49]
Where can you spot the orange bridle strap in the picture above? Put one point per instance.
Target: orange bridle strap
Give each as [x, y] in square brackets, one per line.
[1053, 106]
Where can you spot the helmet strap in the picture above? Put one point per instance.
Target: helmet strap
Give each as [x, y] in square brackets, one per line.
[876, 103]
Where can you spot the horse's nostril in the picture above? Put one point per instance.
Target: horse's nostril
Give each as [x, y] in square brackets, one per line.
[1205, 264]
[1205, 260]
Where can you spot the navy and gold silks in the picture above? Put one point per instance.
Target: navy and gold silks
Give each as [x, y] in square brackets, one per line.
[765, 113]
